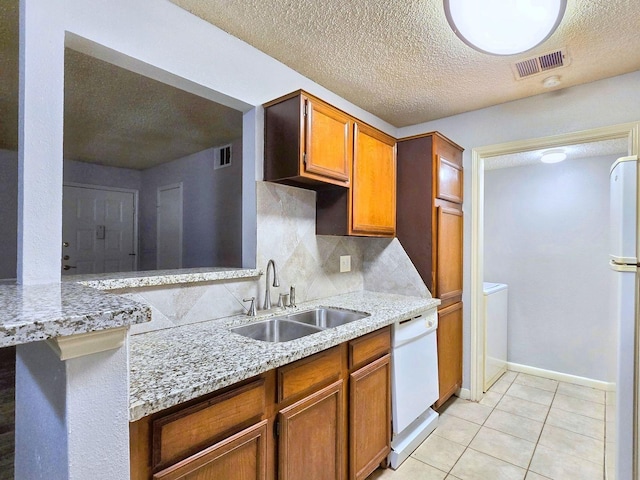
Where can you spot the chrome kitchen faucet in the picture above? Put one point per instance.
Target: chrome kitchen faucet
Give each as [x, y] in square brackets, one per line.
[276, 283]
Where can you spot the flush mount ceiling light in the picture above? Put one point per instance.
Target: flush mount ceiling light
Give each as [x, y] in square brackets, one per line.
[504, 27]
[553, 156]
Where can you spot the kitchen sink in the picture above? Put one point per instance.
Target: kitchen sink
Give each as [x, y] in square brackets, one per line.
[327, 317]
[296, 325]
[276, 330]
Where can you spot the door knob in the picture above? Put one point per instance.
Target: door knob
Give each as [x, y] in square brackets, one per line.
[68, 267]
[66, 257]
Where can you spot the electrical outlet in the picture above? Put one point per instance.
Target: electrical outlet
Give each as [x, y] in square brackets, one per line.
[345, 263]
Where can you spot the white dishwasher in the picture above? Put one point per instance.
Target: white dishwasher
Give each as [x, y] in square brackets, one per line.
[414, 383]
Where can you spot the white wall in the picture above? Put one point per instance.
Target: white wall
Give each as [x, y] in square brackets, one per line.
[606, 102]
[212, 209]
[8, 213]
[546, 236]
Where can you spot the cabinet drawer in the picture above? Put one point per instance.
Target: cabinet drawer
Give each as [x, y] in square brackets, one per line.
[185, 432]
[369, 347]
[309, 374]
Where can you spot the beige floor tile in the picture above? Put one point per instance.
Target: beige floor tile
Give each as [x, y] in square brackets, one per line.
[411, 469]
[571, 443]
[503, 446]
[534, 476]
[501, 386]
[439, 452]
[451, 477]
[515, 425]
[579, 406]
[509, 376]
[474, 412]
[532, 394]
[578, 391]
[490, 399]
[557, 465]
[524, 408]
[478, 466]
[588, 426]
[537, 382]
[456, 429]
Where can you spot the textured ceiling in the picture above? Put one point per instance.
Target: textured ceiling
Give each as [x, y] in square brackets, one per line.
[118, 118]
[574, 152]
[113, 116]
[401, 61]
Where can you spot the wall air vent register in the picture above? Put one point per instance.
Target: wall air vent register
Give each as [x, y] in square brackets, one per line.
[541, 64]
[222, 157]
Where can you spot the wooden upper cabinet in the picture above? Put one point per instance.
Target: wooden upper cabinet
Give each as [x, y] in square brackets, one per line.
[373, 193]
[448, 175]
[328, 141]
[307, 142]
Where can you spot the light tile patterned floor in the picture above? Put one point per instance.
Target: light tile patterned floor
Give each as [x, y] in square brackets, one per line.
[525, 428]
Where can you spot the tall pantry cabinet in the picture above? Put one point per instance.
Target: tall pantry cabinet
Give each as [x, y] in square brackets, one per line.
[429, 227]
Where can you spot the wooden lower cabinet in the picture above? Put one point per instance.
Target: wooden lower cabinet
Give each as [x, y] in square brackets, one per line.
[310, 438]
[324, 417]
[369, 417]
[449, 351]
[240, 457]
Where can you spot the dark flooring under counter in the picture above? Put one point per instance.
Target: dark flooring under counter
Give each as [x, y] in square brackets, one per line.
[7, 411]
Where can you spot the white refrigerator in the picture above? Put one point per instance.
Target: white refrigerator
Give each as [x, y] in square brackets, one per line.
[624, 263]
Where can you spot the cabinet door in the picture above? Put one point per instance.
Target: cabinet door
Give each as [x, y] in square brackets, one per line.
[327, 141]
[373, 192]
[369, 417]
[449, 351]
[240, 457]
[449, 182]
[449, 223]
[312, 435]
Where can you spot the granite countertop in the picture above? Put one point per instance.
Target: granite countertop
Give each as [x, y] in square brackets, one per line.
[30, 313]
[154, 278]
[172, 366]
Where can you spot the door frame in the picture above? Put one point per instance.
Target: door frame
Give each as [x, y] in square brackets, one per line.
[631, 131]
[160, 188]
[136, 194]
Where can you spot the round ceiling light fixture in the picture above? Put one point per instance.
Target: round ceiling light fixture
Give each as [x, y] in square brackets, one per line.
[502, 27]
[553, 156]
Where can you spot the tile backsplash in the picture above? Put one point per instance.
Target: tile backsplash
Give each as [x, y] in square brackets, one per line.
[286, 234]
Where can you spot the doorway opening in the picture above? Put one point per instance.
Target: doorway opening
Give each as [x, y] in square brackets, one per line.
[628, 133]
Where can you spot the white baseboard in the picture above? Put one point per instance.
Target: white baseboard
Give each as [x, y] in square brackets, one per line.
[463, 393]
[562, 377]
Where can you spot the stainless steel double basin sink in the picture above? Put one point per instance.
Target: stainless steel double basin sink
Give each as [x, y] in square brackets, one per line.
[296, 325]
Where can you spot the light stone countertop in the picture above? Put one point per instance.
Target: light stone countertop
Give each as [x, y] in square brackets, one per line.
[175, 365]
[29, 313]
[154, 278]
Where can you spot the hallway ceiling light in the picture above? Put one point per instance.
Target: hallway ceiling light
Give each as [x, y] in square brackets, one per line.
[553, 156]
[504, 28]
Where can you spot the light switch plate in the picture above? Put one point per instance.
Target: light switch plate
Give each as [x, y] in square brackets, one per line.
[345, 263]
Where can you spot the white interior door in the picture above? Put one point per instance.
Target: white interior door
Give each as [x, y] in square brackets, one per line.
[98, 230]
[169, 236]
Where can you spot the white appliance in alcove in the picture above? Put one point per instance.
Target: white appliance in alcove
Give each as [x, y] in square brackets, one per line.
[496, 302]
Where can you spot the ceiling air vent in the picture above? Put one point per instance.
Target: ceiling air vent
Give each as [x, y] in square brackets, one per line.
[541, 64]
